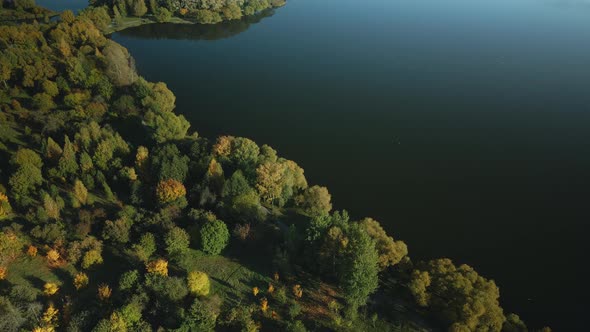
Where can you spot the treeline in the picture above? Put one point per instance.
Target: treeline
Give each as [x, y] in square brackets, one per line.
[111, 212]
[201, 11]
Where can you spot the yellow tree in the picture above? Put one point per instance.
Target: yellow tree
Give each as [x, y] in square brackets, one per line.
[80, 193]
[3, 272]
[264, 304]
[141, 160]
[53, 256]
[50, 317]
[158, 266]
[80, 280]
[50, 288]
[170, 190]
[269, 180]
[5, 207]
[32, 251]
[198, 283]
[255, 291]
[104, 292]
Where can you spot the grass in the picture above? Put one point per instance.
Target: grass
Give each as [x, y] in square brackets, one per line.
[229, 278]
[32, 272]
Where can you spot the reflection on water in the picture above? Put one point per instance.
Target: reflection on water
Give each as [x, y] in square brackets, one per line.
[196, 31]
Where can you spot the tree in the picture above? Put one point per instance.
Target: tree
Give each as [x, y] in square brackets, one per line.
[120, 66]
[50, 288]
[128, 280]
[117, 230]
[214, 237]
[67, 164]
[158, 266]
[460, 297]
[80, 280]
[169, 191]
[199, 318]
[145, 248]
[360, 273]
[158, 98]
[24, 180]
[269, 181]
[51, 207]
[198, 283]
[169, 163]
[91, 257]
[513, 323]
[390, 252]
[177, 241]
[52, 150]
[165, 126]
[80, 193]
[104, 292]
[138, 8]
[26, 157]
[163, 15]
[5, 208]
[315, 200]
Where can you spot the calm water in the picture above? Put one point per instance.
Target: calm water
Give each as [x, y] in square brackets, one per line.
[462, 125]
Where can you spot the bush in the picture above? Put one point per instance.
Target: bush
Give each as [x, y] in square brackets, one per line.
[214, 237]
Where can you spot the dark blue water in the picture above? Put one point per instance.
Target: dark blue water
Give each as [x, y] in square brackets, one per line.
[462, 125]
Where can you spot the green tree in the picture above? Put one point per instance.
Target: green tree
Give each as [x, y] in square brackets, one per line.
[145, 248]
[460, 297]
[166, 126]
[168, 163]
[198, 283]
[163, 15]
[138, 8]
[52, 150]
[315, 200]
[67, 164]
[214, 237]
[177, 241]
[199, 318]
[360, 272]
[24, 157]
[24, 180]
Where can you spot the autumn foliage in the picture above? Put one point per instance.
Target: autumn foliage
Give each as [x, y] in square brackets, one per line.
[104, 292]
[170, 190]
[50, 288]
[32, 251]
[297, 291]
[198, 283]
[80, 280]
[5, 208]
[159, 266]
[3, 272]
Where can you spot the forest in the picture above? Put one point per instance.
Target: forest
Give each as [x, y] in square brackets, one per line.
[115, 215]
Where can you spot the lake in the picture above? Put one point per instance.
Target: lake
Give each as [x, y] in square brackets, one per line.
[463, 126]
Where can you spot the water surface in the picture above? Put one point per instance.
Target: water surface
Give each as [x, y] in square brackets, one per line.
[462, 125]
